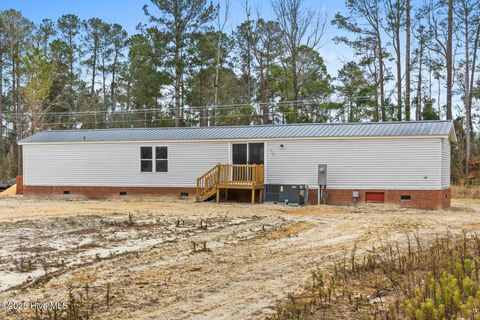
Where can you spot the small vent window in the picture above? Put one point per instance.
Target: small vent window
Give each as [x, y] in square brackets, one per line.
[123, 193]
[405, 197]
[66, 192]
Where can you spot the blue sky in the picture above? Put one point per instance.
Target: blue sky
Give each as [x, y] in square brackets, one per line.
[129, 13]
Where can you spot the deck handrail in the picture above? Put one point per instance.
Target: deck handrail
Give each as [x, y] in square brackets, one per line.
[207, 181]
[230, 176]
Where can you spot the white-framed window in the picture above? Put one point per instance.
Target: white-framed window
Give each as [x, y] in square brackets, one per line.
[161, 159]
[146, 159]
[153, 159]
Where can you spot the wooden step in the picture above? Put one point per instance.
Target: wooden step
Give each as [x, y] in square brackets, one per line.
[204, 196]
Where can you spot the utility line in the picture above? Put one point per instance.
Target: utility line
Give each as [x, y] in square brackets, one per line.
[151, 120]
[198, 108]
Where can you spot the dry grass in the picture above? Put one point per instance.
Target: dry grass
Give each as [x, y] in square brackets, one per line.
[423, 281]
[465, 192]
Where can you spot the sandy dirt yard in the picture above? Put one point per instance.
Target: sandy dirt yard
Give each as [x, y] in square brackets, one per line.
[176, 259]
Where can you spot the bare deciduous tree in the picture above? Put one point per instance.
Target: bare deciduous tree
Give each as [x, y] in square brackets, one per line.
[468, 15]
[407, 60]
[394, 12]
[300, 27]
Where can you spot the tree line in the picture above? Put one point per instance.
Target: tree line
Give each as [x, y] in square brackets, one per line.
[184, 68]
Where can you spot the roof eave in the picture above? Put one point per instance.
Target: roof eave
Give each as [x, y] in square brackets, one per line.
[436, 136]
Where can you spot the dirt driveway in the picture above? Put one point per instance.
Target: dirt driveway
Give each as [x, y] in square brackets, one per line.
[168, 259]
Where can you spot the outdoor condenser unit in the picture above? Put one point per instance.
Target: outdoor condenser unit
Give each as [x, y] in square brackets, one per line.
[293, 194]
[272, 193]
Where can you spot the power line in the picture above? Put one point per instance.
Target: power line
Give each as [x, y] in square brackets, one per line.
[191, 108]
[156, 119]
[198, 108]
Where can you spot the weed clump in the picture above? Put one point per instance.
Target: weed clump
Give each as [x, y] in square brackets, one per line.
[416, 280]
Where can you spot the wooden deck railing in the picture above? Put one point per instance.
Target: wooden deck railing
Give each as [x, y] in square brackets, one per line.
[230, 176]
[240, 175]
[207, 182]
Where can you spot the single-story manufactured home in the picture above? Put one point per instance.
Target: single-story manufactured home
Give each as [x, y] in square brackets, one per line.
[399, 163]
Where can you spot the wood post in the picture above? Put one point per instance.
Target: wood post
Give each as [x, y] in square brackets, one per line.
[218, 195]
[197, 192]
[253, 195]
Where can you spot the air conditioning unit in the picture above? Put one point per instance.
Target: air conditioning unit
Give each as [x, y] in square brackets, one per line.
[291, 194]
[272, 193]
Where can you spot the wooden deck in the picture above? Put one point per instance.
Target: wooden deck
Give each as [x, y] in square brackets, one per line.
[231, 176]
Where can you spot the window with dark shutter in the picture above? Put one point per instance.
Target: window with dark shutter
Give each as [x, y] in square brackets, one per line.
[146, 159]
[161, 159]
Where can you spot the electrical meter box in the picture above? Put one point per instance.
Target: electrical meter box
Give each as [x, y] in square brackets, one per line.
[322, 174]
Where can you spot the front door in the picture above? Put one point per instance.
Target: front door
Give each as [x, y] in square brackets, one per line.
[246, 153]
[255, 153]
[251, 153]
[239, 153]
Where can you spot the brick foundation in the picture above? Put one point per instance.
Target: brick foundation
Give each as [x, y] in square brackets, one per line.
[19, 182]
[419, 199]
[111, 192]
[104, 192]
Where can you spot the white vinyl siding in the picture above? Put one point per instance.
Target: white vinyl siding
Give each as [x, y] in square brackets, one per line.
[361, 163]
[117, 164]
[401, 164]
[445, 164]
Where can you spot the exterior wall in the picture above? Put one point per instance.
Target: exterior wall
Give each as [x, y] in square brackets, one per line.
[118, 165]
[445, 163]
[420, 199]
[393, 164]
[396, 166]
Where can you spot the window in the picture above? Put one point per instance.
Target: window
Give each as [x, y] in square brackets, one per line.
[405, 197]
[146, 159]
[161, 159]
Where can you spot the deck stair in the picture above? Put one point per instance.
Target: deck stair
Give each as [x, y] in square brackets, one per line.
[223, 177]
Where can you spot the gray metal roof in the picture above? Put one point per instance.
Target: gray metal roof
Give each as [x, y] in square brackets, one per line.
[371, 129]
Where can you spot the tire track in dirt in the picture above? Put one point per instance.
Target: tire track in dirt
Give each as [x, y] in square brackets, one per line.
[247, 269]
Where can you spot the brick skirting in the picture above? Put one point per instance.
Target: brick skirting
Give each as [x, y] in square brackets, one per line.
[19, 182]
[104, 192]
[419, 199]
